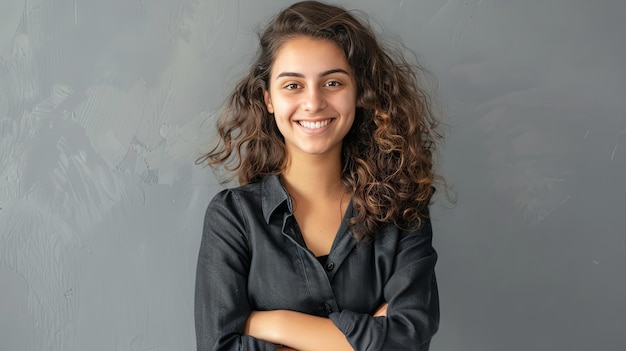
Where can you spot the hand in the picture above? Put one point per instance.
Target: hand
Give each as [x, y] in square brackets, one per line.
[381, 311]
[285, 349]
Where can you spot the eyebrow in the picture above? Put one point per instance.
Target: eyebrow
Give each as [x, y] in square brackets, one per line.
[325, 73]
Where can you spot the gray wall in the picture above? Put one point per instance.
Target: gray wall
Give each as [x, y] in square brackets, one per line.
[103, 109]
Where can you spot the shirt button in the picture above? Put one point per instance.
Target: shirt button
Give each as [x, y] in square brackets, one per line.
[328, 308]
[330, 266]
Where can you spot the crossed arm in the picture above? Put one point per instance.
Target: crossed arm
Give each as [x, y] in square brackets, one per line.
[299, 331]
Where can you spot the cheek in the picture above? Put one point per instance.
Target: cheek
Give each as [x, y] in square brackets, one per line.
[348, 106]
[283, 108]
[281, 120]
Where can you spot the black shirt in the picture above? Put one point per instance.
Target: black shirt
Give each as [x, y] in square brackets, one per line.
[253, 257]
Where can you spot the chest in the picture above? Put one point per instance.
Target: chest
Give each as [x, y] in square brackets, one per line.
[285, 274]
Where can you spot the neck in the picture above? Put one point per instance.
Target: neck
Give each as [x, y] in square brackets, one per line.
[314, 176]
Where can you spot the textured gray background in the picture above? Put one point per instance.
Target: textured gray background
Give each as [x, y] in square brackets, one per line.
[103, 109]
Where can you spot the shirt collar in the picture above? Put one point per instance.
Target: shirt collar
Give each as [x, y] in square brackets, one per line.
[273, 195]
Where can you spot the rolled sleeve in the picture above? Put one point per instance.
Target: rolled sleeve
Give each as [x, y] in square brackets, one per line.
[413, 301]
[221, 297]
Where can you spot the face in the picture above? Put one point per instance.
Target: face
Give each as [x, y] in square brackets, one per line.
[312, 95]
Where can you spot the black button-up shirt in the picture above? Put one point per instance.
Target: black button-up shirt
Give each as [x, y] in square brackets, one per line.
[253, 257]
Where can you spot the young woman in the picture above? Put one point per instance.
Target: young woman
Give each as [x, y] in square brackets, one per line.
[327, 243]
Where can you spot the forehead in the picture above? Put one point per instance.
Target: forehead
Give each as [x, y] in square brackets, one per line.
[309, 55]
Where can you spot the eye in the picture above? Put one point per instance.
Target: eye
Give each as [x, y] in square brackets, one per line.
[292, 86]
[332, 83]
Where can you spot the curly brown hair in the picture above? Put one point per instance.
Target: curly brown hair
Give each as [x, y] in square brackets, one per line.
[388, 154]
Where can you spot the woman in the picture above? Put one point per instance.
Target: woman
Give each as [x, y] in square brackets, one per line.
[327, 244]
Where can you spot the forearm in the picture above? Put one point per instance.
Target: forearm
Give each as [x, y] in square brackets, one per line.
[297, 330]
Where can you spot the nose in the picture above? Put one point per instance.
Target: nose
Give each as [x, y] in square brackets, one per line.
[314, 100]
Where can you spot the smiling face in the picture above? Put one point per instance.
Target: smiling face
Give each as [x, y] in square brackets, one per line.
[312, 94]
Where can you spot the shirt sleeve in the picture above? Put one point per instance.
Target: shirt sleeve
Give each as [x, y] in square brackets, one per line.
[221, 296]
[413, 301]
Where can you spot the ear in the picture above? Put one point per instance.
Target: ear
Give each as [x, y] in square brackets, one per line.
[268, 101]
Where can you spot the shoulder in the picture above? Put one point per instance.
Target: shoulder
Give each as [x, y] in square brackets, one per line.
[418, 228]
[230, 211]
[400, 237]
[236, 197]
[248, 204]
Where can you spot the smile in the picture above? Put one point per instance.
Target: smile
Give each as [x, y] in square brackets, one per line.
[314, 125]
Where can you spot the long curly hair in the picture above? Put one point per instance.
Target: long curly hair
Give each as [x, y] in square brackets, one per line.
[387, 155]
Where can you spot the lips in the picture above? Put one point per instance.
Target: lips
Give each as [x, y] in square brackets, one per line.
[314, 124]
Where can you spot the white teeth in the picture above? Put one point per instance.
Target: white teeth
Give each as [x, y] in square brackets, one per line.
[314, 125]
